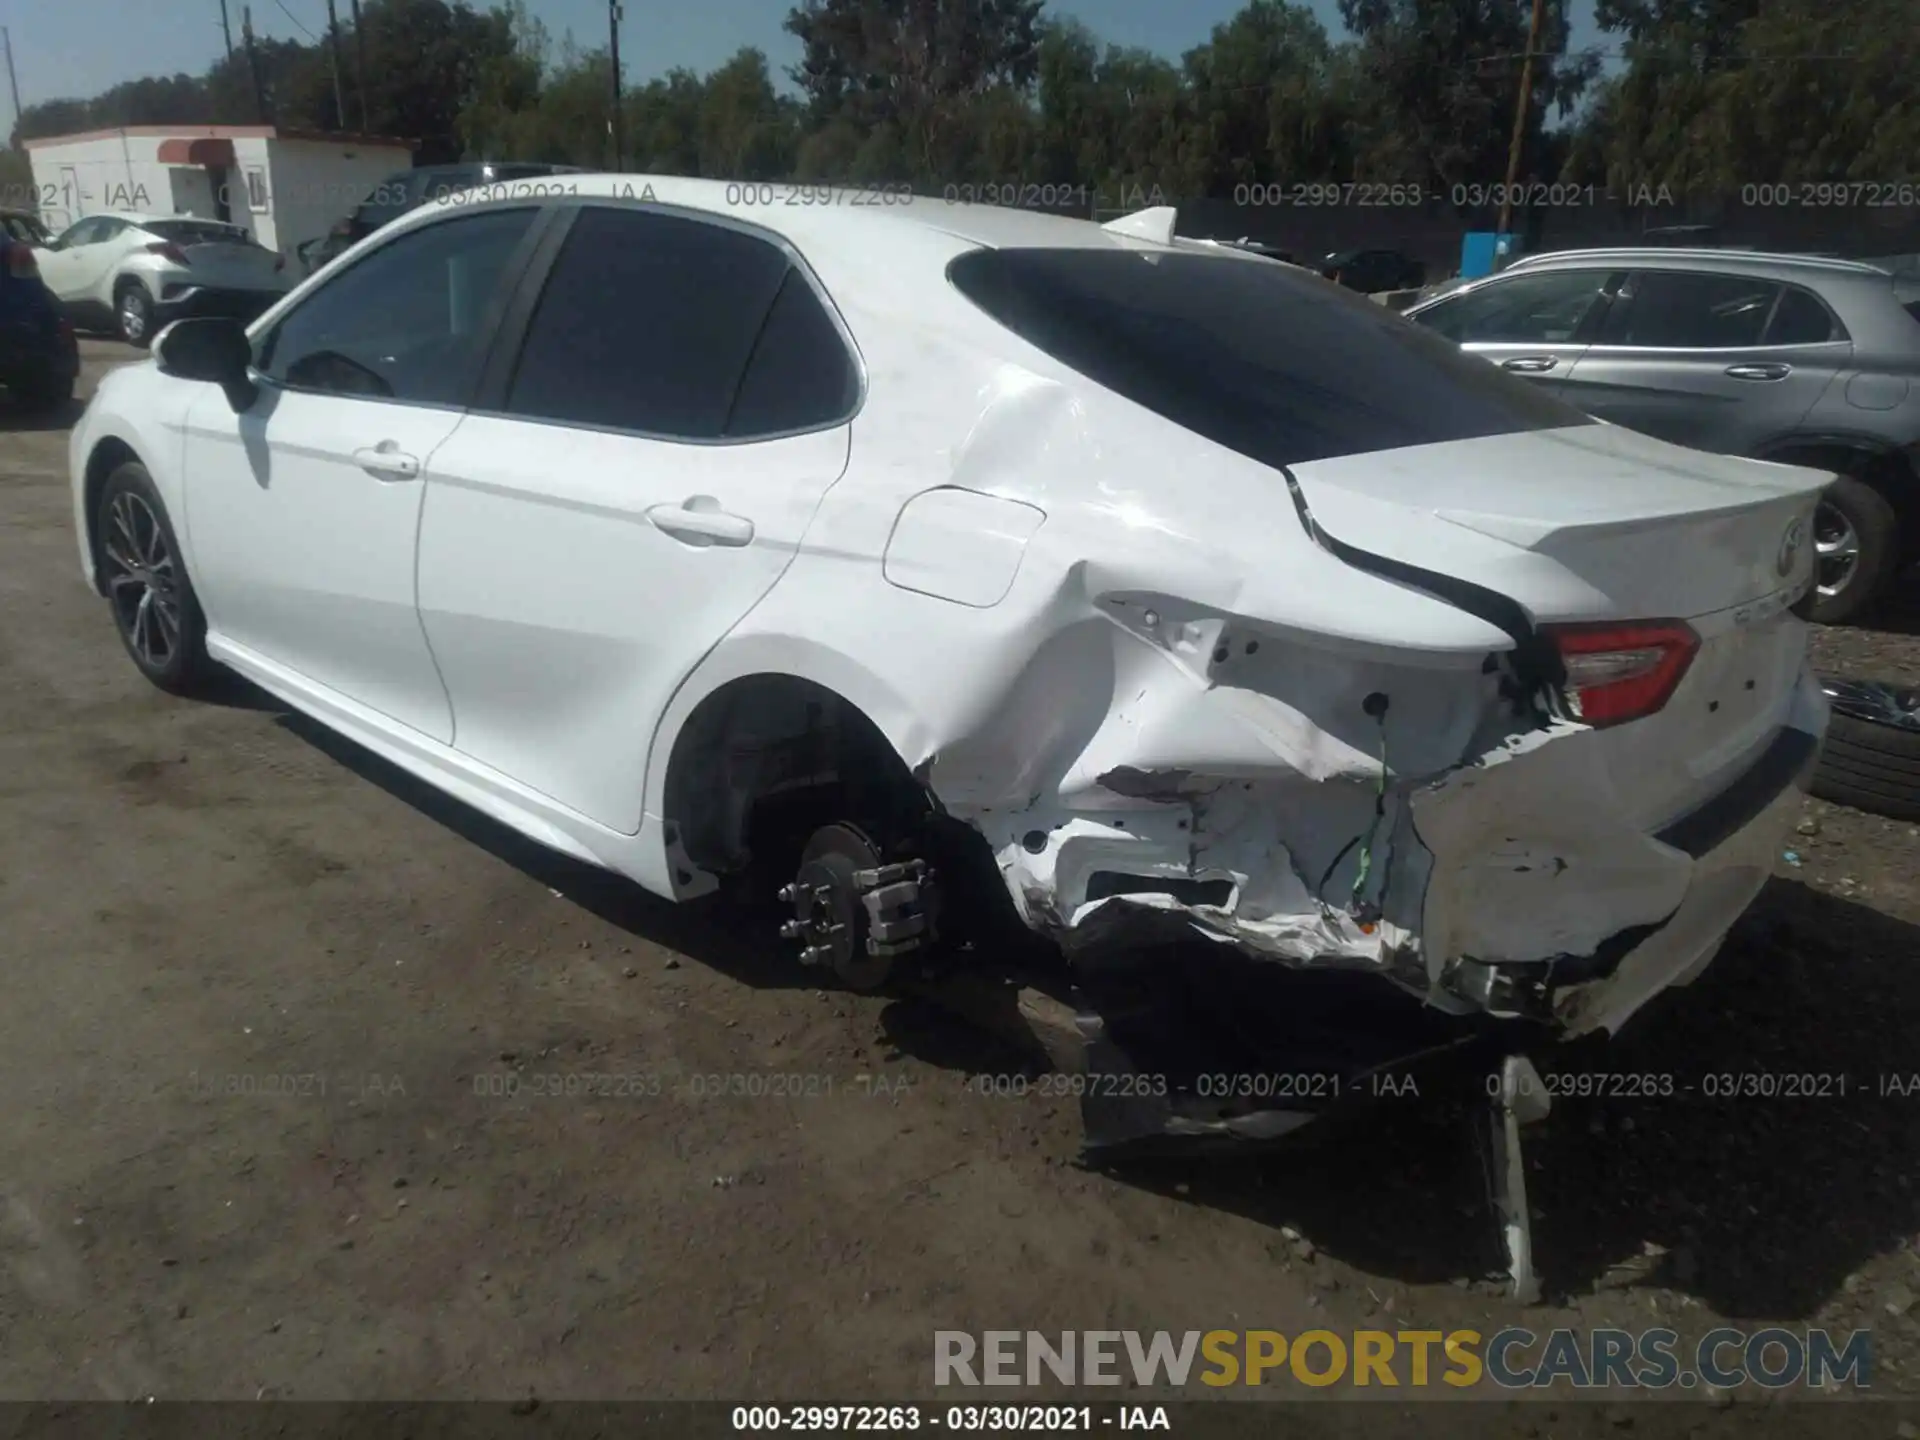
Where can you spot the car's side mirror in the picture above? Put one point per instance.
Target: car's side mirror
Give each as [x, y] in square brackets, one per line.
[216, 350]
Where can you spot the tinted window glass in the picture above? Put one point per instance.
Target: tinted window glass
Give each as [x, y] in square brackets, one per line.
[801, 375]
[1681, 310]
[1541, 309]
[1802, 319]
[646, 324]
[81, 232]
[1271, 362]
[404, 322]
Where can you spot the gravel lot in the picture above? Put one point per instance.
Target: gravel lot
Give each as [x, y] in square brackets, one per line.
[197, 897]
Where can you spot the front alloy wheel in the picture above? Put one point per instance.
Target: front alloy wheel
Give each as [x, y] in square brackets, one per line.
[145, 580]
[142, 580]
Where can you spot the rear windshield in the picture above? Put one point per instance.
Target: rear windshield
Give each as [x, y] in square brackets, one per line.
[1269, 361]
[1906, 289]
[197, 232]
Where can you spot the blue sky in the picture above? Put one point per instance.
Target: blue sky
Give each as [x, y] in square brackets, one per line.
[80, 47]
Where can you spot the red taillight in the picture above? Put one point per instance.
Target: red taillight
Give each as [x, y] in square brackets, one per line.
[1621, 672]
[21, 264]
[167, 250]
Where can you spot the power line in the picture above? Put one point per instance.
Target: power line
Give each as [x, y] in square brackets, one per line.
[296, 21]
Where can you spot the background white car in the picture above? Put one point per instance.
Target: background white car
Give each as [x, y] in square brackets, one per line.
[134, 273]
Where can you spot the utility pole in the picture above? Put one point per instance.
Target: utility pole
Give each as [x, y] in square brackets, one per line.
[253, 63]
[13, 85]
[226, 28]
[613, 123]
[1520, 119]
[333, 54]
[360, 66]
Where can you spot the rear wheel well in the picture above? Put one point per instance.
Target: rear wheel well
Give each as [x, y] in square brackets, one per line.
[776, 743]
[1887, 471]
[767, 759]
[108, 456]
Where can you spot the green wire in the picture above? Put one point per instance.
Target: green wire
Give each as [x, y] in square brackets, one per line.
[1379, 809]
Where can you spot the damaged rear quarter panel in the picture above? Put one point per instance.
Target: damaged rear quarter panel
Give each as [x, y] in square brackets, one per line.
[1174, 683]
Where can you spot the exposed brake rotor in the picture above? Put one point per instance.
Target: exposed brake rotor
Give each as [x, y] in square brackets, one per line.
[852, 911]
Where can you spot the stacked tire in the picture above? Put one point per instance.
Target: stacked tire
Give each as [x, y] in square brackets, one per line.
[1871, 758]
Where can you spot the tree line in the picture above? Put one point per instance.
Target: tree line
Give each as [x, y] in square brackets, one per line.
[1700, 96]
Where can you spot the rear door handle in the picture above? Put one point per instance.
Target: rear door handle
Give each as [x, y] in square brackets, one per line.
[1772, 370]
[387, 461]
[699, 520]
[1530, 364]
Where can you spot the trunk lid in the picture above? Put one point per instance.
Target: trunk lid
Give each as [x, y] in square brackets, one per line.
[1589, 522]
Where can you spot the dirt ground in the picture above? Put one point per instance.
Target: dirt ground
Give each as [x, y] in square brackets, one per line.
[198, 898]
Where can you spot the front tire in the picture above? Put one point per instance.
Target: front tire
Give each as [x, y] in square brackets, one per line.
[133, 312]
[145, 578]
[1856, 537]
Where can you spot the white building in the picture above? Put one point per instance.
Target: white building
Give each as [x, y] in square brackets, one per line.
[286, 186]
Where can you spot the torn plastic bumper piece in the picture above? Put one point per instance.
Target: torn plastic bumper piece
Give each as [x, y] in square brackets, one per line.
[1520, 1099]
[1201, 1048]
[1200, 1043]
[1732, 838]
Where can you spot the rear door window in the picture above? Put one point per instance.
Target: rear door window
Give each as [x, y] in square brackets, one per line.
[1690, 310]
[1269, 361]
[1802, 318]
[648, 323]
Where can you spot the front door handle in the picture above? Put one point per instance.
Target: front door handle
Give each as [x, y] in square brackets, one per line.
[1771, 370]
[1530, 364]
[699, 520]
[387, 461]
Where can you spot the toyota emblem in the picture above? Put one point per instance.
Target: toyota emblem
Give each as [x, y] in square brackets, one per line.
[1790, 548]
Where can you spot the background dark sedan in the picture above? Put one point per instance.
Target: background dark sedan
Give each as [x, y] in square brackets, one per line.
[39, 357]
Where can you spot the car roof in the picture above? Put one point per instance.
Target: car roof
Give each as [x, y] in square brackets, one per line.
[830, 213]
[1671, 257]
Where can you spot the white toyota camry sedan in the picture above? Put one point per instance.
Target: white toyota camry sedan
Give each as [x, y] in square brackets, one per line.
[1138, 587]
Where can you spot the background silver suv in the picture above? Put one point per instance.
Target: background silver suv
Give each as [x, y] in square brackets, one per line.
[1779, 357]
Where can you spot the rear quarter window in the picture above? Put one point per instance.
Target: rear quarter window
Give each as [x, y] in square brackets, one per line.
[1271, 362]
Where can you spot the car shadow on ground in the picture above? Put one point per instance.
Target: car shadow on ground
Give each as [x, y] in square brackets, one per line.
[1748, 1132]
[737, 940]
[1774, 1169]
